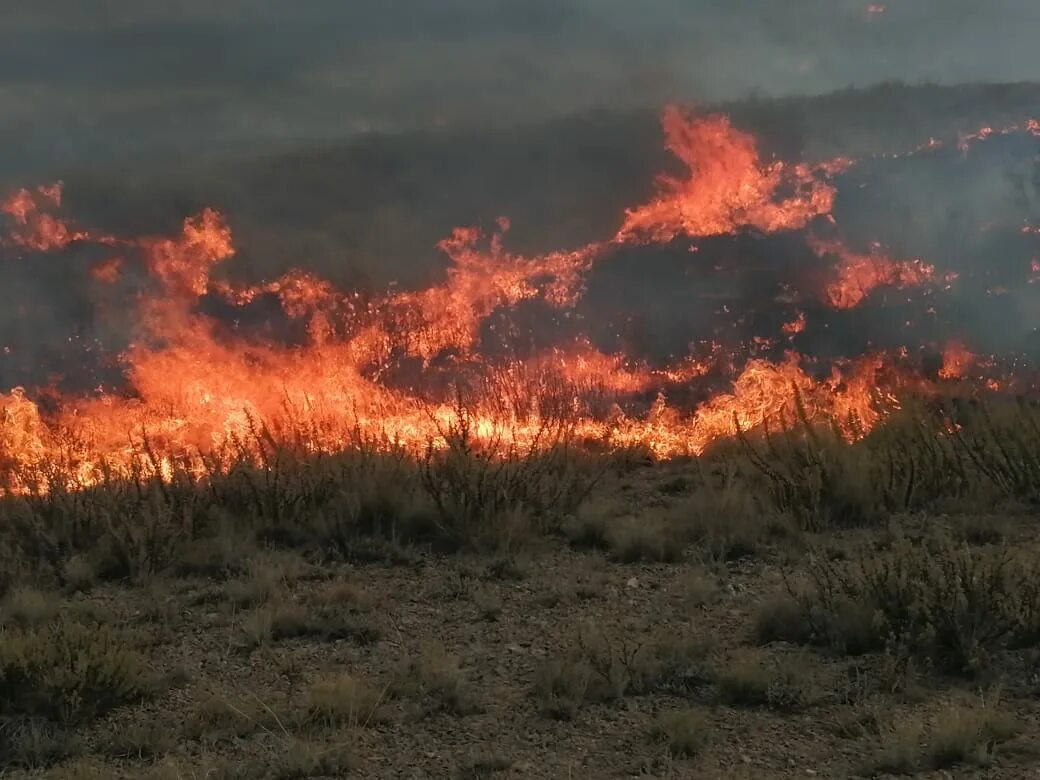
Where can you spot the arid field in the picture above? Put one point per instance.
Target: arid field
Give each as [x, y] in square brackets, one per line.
[508, 389]
[788, 605]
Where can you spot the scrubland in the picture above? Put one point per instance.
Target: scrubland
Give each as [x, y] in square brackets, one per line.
[787, 605]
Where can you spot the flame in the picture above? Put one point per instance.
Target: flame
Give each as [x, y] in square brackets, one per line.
[795, 326]
[108, 271]
[728, 187]
[389, 365]
[857, 274]
[34, 229]
[957, 359]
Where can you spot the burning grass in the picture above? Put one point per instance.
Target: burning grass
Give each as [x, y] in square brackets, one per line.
[920, 602]
[328, 371]
[499, 494]
[221, 503]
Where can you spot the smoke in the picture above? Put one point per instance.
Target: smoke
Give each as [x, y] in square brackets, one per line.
[347, 138]
[118, 80]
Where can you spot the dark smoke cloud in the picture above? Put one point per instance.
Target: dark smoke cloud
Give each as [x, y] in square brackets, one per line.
[90, 79]
[542, 110]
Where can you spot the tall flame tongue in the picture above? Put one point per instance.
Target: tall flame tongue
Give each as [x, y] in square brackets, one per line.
[387, 366]
[728, 188]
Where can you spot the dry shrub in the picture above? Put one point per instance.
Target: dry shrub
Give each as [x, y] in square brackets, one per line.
[33, 744]
[69, 672]
[598, 667]
[495, 493]
[125, 526]
[951, 605]
[262, 582]
[435, 679]
[754, 678]
[921, 456]
[345, 700]
[685, 733]
[899, 750]
[561, 686]
[267, 487]
[812, 474]
[299, 758]
[782, 618]
[958, 735]
[860, 721]
[484, 766]
[725, 521]
[217, 719]
[589, 527]
[28, 608]
[700, 587]
[140, 741]
[647, 538]
[968, 735]
[997, 441]
[981, 529]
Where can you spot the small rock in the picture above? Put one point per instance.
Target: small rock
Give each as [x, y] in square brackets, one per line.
[632, 583]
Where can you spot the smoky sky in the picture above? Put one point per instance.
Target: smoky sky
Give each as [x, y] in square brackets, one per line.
[101, 79]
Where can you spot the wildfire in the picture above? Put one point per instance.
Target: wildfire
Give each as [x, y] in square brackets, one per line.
[34, 228]
[795, 326]
[389, 366]
[729, 186]
[857, 274]
[957, 359]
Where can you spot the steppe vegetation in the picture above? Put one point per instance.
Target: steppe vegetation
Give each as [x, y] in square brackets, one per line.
[787, 605]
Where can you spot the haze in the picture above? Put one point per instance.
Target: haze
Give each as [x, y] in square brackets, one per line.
[91, 81]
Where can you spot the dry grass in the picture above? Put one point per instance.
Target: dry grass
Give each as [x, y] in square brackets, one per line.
[29, 608]
[255, 577]
[69, 672]
[435, 681]
[601, 667]
[958, 735]
[753, 678]
[685, 733]
[345, 700]
[952, 606]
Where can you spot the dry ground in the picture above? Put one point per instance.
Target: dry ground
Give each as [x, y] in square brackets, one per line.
[551, 661]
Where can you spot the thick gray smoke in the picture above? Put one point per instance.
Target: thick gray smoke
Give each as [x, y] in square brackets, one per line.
[118, 79]
[346, 137]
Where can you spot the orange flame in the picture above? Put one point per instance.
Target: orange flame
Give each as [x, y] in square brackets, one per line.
[195, 388]
[857, 275]
[729, 187]
[957, 359]
[35, 229]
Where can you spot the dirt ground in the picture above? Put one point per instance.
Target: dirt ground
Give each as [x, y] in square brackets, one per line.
[445, 669]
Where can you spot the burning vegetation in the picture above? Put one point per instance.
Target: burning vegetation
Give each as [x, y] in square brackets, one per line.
[209, 361]
[254, 492]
